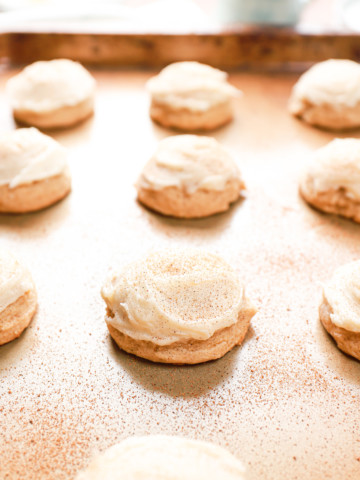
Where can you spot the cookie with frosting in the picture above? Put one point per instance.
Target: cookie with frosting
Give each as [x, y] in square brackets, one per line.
[340, 308]
[18, 299]
[191, 96]
[164, 457]
[331, 182]
[328, 95]
[183, 306]
[33, 171]
[52, 94]
[190, 176]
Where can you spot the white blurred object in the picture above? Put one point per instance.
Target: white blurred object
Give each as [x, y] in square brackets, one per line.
[350, 14]
[165, 16]
[171, 15]
[14, 4]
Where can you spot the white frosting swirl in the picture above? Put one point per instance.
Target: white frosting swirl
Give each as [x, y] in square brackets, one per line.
[163, 457]
[47, 86]
[174, 295]
[333, 82]
[15, 280]
[337, 165]
[191, 85]
[27, 155]
[190, 162]
[342, 293]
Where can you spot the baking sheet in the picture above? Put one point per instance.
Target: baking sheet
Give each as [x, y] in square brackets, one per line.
[286, 402]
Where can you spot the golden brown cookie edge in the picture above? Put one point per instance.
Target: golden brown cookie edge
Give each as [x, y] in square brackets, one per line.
[188, 120]
[347, 341]
[17, 316]
[64, 117]
[333, 201]
[36, 195]
[191, 351]
[176, 202]
[325, 116]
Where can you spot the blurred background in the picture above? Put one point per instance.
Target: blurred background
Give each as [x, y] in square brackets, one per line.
[179, 16]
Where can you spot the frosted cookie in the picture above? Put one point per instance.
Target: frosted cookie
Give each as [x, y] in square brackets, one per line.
[340, 308]
[332, 180]
[177, 307]
[191, 96]
[188, 177]
[17, 298]
[164, 457]
[53, 94]
[328, 95]
[33, 171]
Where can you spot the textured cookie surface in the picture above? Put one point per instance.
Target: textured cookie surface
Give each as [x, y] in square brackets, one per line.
[189, 176]
[340, 310]
[33, 171]
[51, 94]
[191, 96]
[328, 95]
[173, 302]
[17, 298]
[162, 457]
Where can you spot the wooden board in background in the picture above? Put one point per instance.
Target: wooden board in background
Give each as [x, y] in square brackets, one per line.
[250, 48]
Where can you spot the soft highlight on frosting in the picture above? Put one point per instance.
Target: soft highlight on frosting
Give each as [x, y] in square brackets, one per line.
[333, 82]
[163, 457]
[45, 86]
[189, 162]
[191, 85]
[15, 280]
[27, 155]
[335, 166]
[174, 296]
[342, 293]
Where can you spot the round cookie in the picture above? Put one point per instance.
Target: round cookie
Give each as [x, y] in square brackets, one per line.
[191, 96]
[340, 308]
[332, 179]
[33, 171]
[52, 94]
[328, 95]
[164, 457]
[18, 298]
[181, 307]
[188, 177]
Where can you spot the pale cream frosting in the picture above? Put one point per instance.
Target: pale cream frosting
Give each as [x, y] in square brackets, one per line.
[174, 295]
[334, 166]
[332, 82]
[191, 85]
[342, 293]
[163, 457]
[46, 86]
[27, 155]
[189, 162]
[15, 280]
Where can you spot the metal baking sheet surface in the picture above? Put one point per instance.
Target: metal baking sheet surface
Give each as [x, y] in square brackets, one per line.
[286, 402]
